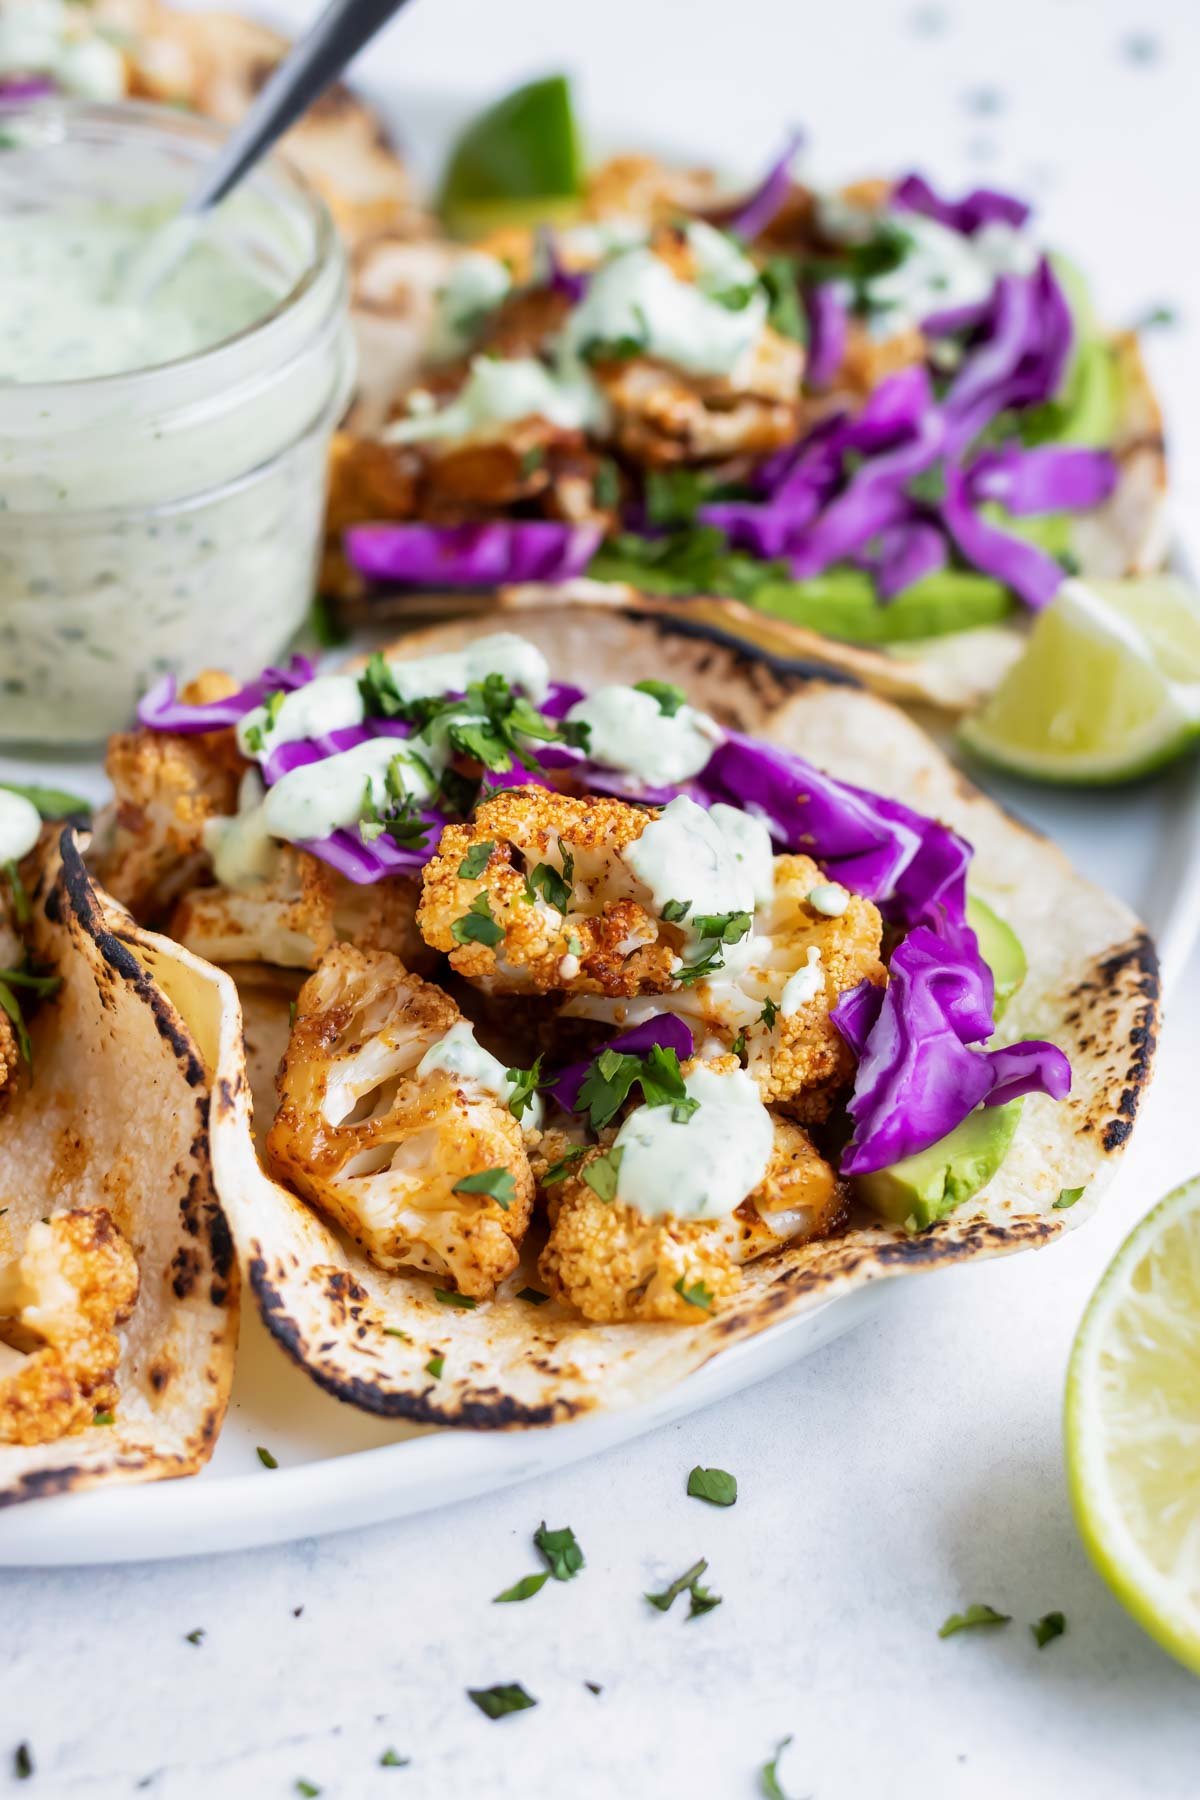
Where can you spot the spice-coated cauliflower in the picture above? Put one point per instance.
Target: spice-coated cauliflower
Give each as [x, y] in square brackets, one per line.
[383, 1146]
[75, 1281]
[615, 1264]
[547, 903]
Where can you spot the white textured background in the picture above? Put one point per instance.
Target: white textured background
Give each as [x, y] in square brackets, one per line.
[909, 1468]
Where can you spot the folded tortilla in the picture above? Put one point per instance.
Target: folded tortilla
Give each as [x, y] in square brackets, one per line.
[369, 1337]
[113, 1114]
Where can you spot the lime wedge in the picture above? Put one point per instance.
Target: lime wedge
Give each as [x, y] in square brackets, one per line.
[519, 162]
[1107, 690]
[1133, 1424]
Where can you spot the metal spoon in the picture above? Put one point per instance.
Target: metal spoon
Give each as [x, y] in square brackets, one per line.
[311, 66]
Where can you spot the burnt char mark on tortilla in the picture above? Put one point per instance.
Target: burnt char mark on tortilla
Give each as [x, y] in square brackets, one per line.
[793, 672]
[479, 1409]
[73, 890]
[1128, 974]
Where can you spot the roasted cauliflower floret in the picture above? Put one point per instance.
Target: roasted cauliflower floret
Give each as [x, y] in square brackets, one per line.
[381, 1122]
[617, 1263]
[661, 416]
[774, 996]
[150, 841]
[60, 1304]
[533, 895]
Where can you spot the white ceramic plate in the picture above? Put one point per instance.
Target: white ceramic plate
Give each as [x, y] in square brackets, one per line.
[340, 1468]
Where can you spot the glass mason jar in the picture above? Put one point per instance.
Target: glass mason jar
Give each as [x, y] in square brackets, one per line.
[169, 518]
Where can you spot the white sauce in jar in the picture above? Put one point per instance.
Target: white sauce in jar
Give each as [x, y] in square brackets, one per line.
[706, 1166]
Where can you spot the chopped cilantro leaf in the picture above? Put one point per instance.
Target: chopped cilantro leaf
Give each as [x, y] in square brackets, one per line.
[768, 1775]
[666, 1600]
[265, 1458]
[606, 485]
[22, 1762]
[1050, 1626]
[1067, 1197]
[195, 1637]
[20, 899]
[308, 1789]
[507, 1697]
[976, 1614]
[561, 1169]
[675, 911]
[769, 1014]
[524, 1084]
[554, 890]
[717, 1486]
[464, 1302]
[525, 1589]
[497, 1183]
[477, 925]
[434, 1367]
[564, 1558]
[395, 1331]
[784, 313]
[103, 1418]
[534, 1296]
[476, 860]
[574, 947]
[696, 1295]
[738, 1047]
[670, 698]
[722, 928]
[391, 1759]
[673, 497]
[613, 1076]
[701, 1600]
[593, 1687]
[401, 820]
[531, 461]
[325, 625]
[601, 1173]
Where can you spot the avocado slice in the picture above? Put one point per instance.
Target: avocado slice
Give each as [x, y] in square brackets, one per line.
[920, 1189]
[843, 604]
[1000, 948]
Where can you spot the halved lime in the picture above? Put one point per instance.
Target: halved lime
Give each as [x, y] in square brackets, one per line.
[1132, 1424]
[518, 162]
[1107, 690]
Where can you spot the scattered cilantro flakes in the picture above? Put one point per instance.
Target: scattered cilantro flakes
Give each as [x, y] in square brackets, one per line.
[395, 1331]
[1067, 1197]
[684, 1583]
[20, 899]
[22, 1762]
[524, 1084]
[308, 1789]
[696, 1295]
[768, 1775]
[464, 1302]
[606, 485]
[670, 698]
[722, 928]
[601, 1173]
[613, 1075]
[434, 1367]
[534, 1296]
[738, 1047]
[265, 1458]
[525, 1589]
[564, 1558]
[195, 1637]
[769, 1014]
[402, 819]
[717, 1486]
[701, 1600]
[477, 926]
[531, 461]
[574, 946]
[476, 860]
[593, 1687]
[497, 1184]
[10, 1006]
[103, 1418]
[1051, 1625]
[976, 1614]
[558, 1171]
[506, 1697]
[51, 803]
[675, 912]
[391, 1759]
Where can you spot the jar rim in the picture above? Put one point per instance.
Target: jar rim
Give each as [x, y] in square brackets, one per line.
[145, 118]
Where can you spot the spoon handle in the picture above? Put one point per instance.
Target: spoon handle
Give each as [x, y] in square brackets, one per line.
[312, 65]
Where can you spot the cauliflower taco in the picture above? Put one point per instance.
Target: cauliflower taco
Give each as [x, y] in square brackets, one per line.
[118, 1285]
[581, 1002]
[875, 426]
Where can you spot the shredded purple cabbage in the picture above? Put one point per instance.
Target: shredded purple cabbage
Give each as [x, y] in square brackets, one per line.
[1031, 572]
[472, 555]
[1016, 355]
[902, 554]
[982, 206]
[828, 322]
[918, 1076]
[751, 216]
[573, 283]
[159, 710]
[665, 1028]
[365, 863]
[16, 89]
[1053, 478]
